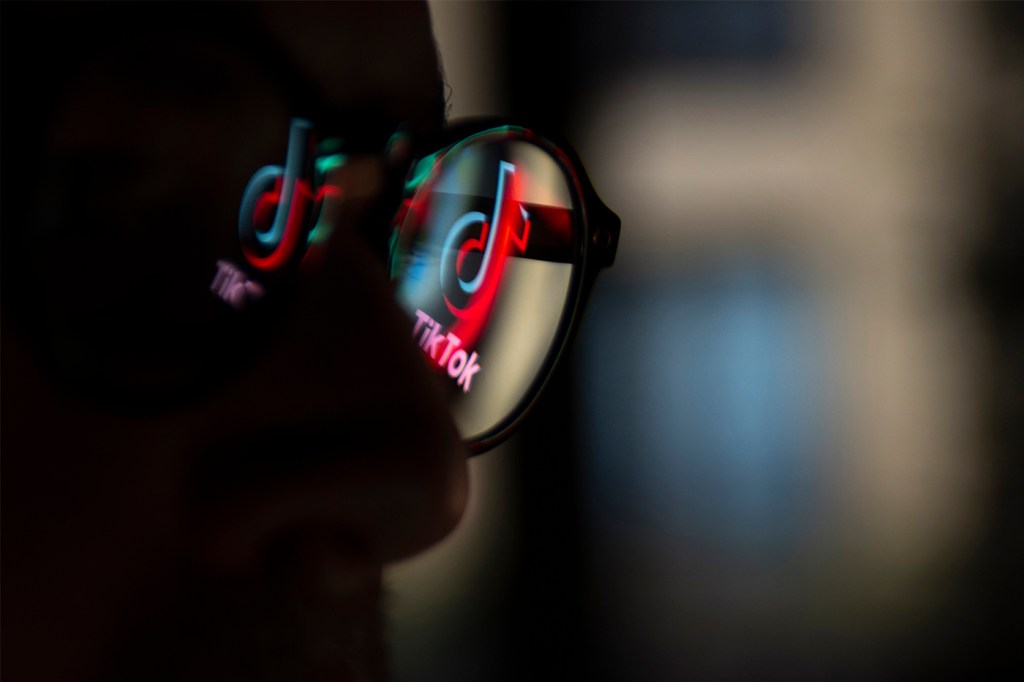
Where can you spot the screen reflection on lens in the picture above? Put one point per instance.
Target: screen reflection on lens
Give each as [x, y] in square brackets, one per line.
[483, 258]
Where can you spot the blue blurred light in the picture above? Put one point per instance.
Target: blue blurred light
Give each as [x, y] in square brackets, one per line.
[703, 407]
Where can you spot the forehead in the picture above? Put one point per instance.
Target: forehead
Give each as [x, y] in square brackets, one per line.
[328, 59]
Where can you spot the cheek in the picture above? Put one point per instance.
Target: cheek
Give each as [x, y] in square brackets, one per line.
[91, 526]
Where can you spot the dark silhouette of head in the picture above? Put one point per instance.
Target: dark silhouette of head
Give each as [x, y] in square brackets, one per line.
[188, 492]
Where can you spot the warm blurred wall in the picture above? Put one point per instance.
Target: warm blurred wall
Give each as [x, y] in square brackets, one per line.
[440, 601]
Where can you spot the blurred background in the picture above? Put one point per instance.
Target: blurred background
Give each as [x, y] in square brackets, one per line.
[788, 442]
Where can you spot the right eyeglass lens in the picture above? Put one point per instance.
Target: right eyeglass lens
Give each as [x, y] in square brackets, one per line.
[483, 257]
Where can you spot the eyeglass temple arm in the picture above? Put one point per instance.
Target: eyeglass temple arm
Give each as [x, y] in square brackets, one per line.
[604, 237]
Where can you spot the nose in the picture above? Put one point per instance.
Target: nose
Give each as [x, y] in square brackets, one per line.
[339, 427]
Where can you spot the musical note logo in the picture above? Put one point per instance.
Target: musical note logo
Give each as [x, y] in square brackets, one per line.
[489, 243]
[272, 215]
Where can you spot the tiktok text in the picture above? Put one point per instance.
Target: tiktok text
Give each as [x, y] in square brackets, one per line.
[443, 348]
[234, 286]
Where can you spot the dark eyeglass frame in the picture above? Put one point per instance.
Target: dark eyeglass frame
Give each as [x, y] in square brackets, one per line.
[596, 233]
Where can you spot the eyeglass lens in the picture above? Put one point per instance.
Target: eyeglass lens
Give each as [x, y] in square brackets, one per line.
[483, 258]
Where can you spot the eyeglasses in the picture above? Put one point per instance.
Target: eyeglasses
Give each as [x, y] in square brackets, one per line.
[492, 235]
[494, 248]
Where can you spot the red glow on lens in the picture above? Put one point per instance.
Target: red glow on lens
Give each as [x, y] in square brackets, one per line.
[511, 239]
[263, 215]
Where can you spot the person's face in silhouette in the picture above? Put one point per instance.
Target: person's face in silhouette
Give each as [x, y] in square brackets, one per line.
[239, 533]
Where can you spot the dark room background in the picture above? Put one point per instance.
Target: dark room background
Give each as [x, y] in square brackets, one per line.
[788, 442]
